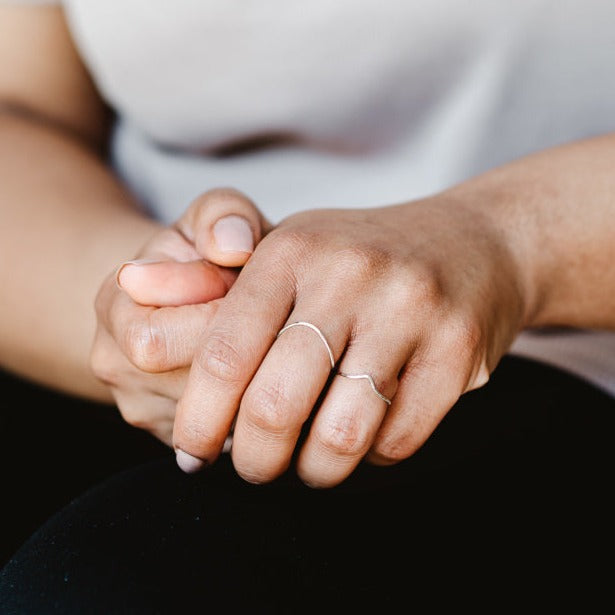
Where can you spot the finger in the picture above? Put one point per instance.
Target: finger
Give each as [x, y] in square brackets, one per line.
[239, 336]
[352, 411]
[114, 368]
[157, 339]
[283, 393]
[146, 401]
[150, 412]
[429, 387]
[172, 283]
[224, 225]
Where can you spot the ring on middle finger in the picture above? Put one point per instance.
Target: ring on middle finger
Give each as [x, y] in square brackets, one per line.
[316, 330]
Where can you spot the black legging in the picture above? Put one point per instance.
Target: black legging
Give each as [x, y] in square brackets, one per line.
[512, 488]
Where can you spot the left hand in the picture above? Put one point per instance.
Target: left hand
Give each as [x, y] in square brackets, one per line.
[152, 312]
[425, 297]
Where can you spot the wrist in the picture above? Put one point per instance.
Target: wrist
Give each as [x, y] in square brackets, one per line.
[497, 209]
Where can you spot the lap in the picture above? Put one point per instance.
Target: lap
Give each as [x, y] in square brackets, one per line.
[493, 486]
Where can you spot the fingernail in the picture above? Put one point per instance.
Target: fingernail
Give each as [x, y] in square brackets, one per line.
[228, 444]
[187, 462]
[141, 261]
[233, 234]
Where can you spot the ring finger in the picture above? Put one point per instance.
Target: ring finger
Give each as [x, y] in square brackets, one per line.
[353, 409]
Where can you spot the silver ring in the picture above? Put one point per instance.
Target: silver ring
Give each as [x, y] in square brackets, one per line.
[316, 330]
[367, 377]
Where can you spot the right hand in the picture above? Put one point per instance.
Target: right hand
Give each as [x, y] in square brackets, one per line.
[151, 312]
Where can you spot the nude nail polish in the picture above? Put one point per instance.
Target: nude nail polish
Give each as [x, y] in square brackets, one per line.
[233, 234]
[188, 463]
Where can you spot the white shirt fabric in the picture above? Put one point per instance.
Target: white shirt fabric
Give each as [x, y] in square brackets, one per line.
[375, 102]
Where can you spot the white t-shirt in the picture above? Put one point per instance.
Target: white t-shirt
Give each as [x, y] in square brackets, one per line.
[367, 102]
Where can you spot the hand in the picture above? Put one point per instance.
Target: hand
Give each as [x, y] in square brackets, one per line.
[152, 312]
[425, 297]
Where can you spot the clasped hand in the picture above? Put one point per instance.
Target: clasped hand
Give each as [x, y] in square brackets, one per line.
[424, 297]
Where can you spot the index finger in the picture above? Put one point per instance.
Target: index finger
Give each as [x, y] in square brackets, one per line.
[238, 338]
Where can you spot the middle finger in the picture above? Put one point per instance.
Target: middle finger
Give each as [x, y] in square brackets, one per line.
[283, 393]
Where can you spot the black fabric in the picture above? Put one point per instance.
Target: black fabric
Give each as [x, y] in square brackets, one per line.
[507, 504]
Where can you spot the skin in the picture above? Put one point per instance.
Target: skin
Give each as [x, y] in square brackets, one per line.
[56, 195]
[426, 296]
[66, 221]
[152, 312]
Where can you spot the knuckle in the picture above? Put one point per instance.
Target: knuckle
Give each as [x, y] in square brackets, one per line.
[258, 471]
[399, 295]
[212, 199]
[421, 367]
[133, 417]
[104, 363]
[360, 261]
[426, 288]
[221, 360]
[463, 335]
[288, 244]
[146, 344]
[192, 431]
[396, 449]
[220, 193]
[133, 411]
[100, 364]
[401, 443]
[414, 287]
[104, 371]
[345, 436]
[255, 477]
[268, 407]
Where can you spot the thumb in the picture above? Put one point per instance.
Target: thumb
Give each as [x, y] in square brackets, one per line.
[224, 226]
[164, 283]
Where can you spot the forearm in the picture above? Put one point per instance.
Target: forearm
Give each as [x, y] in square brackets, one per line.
[556, 211]
[65, 223]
